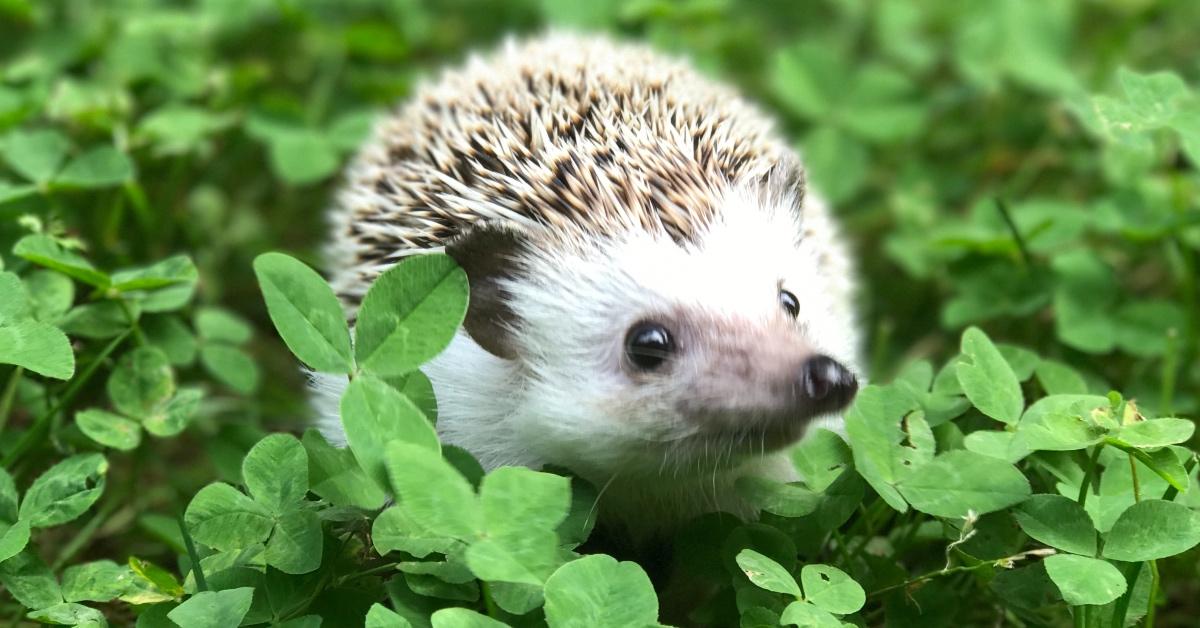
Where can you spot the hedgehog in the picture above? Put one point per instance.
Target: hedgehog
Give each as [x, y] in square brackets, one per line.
[659, 303]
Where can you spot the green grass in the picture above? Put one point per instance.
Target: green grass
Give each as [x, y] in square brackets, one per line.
[1019, 182]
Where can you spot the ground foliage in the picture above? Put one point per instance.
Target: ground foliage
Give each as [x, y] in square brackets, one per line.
[1022, 167]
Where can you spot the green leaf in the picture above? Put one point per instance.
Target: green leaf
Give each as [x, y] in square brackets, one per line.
[97, 581]
[305, 312]
[1022, 361]
[394, 529]
[526, 557]
[417, 387]
[767, 574]
[873, 425]
[14, 536]
[1166, 464]
[303, 156]
[1059, 379]
[350, 129]
[516, 598]
[15, 306]
[52, 294]
[808, 78]
[64, 491]
[334, 474]
[516, 499]
[214, 609]
[164, 286]
[1059, 522]
[170, 335]
[997, 444]
[218, 324]
[783, 499]
[142, 382]
[175, 416]
[1152, 529]
[99, 321]
[34, 345]
[275, 471]
[180, 128]
[432, 491]
[1058, 431]
[102, 166]
[373, 414]
[39, 347]
[1155, 433]
[1081, 300]
[1147, 327]
[108, 429]
[987, 379]
[878, 105]
[222, 518]
[27, 578]
[295, 545]
[410, 314]
[463, 618]
[598, 592]
[70, 614]
[45, 251]
[821, 458]
[808, 616]
[830, 589]
[9, 498]
[1083, 580]
[1153, 99]
[837, 162]
[231, 366]
[35, 155]
[14, 533]
[960, 481]
[12, 193]
[156, 576]
[381, 617]
[172, 271]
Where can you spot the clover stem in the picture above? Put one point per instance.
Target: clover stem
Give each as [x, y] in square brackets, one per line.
[931, 575]
[1002, 207]
[1151, 604]
[1088, 473]
[492, 610]
[194, 556]
[1137, 489]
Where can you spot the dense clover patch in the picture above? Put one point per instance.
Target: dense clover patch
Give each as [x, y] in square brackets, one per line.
[1025, 168]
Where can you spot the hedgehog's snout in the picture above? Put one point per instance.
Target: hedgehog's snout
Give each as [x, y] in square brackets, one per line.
[825, 386]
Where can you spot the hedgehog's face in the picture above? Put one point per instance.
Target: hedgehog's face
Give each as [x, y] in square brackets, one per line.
[638, 351]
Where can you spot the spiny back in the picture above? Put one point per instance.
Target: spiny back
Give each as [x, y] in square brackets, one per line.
[562, 135]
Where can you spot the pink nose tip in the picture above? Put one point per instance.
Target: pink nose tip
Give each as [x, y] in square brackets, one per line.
[827, 384]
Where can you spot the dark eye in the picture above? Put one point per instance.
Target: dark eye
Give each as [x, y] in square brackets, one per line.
[648, 345]
[789, 302]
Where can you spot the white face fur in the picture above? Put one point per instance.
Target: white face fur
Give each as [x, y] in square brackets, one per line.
[730, 388]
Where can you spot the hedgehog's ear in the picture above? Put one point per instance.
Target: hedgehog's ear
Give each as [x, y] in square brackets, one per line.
[488, 252]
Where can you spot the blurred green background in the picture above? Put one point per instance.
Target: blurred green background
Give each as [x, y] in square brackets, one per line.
[1029, 166]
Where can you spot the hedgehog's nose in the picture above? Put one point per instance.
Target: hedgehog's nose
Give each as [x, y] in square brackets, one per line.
[828, 386]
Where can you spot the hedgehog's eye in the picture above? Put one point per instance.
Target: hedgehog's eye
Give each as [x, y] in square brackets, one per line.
[790, 303]
[648, 345]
